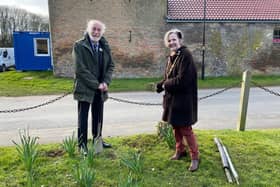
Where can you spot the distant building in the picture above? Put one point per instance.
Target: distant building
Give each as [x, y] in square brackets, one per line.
[240, 34]
[32, 51]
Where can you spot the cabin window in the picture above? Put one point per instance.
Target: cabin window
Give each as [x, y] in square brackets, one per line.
[41, 47]
[276, 35]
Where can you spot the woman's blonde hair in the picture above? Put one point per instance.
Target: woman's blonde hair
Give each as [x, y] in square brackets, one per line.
[178, 32]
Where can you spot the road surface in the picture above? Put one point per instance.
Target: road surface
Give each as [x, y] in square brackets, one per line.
[55, 121]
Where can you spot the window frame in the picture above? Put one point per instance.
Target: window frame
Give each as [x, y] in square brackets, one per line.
[36, 48]
[276, 37]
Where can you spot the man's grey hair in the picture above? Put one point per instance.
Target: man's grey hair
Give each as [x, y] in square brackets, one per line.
[178, 32]
[93, 22]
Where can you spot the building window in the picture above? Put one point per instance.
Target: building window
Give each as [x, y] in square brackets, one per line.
[276, 35]
[41, 47]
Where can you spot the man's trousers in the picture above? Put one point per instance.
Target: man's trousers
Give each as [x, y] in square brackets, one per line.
[96, 116]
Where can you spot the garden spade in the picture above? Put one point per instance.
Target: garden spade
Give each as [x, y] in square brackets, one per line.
[98, 144]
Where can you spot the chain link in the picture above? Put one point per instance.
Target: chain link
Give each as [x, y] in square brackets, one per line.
[266, 89]
[118, 100]
[156, 104]
[36, 106]
[134, 102]
[219, 92]
[138, 103]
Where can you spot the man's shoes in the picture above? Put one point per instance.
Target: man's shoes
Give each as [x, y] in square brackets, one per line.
[106, 145]
[177, 155]
[194, 165]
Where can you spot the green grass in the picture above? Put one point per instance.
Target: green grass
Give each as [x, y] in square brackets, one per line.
[14, 83]
[255, 155]
[221, 82]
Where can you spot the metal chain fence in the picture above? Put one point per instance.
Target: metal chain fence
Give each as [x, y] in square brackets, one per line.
[266, 89]
[134, 102]
[219, 92]
[36, 106]
[115, 99]
[156, 104]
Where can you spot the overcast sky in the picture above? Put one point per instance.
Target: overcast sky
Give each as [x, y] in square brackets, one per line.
[34, 6]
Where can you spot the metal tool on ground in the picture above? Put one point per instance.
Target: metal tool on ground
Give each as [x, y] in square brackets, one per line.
[224, 159]
[230, 171]
[231, 166]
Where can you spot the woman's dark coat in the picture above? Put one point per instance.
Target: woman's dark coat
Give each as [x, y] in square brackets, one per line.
[180, 98]
[87, 68]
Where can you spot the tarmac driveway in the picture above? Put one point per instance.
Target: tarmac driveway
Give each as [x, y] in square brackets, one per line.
[57, 120]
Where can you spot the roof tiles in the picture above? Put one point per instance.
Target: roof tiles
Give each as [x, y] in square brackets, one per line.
[224, 10]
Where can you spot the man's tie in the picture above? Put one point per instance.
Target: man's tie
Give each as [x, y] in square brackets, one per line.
[95, 47]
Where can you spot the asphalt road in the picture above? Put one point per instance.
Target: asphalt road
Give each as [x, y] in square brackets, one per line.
[55, 121]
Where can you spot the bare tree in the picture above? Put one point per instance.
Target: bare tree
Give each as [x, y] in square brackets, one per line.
[14, 19]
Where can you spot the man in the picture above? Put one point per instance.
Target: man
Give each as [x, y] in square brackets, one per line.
[93, 73]
[180, 98]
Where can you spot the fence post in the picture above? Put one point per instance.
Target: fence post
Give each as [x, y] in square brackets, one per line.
[244, 97]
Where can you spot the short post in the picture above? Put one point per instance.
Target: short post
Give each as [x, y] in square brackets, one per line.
[244, 98]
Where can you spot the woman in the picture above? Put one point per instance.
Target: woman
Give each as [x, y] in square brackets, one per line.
[180, 98]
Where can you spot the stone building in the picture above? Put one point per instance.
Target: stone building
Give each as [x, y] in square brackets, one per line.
[239, 34]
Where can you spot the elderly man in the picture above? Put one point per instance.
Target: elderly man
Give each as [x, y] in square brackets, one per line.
[180, 98]
[93, 73]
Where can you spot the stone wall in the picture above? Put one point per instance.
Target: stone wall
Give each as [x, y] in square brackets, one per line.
[135, 30]
[232, 48]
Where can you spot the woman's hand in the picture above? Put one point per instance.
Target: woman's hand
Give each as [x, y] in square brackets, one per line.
[160, 87]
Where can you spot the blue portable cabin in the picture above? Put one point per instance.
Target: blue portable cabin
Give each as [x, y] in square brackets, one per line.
[32, 50]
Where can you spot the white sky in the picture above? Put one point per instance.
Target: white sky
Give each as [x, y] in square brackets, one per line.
[34, 6]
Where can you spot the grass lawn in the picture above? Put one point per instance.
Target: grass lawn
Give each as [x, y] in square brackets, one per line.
[255, 155]
[14, 83]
